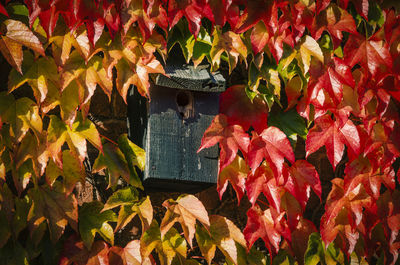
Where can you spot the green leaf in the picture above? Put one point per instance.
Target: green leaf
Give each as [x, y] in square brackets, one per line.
[114, 161]
[376, 17]
[150, 239]
[75, 136]
[127, 196]
[143, 209]
[206, 243]
[39, 74]
[174, 246]
[283, 258]
[290, 122]
[315, 250]
[22, 114]
[93, 220]
[134, 155]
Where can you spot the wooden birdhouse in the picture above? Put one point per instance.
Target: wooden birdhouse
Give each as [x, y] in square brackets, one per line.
[170, 127]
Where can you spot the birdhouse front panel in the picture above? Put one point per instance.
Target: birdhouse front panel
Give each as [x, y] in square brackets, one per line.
[170, 127]
[177, 121]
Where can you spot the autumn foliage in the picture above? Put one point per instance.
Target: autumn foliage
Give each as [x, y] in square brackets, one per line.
[321, 77]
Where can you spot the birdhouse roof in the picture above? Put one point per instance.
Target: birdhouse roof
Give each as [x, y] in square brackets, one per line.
[188, 77]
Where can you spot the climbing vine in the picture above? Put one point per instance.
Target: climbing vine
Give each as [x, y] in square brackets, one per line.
[319, 77]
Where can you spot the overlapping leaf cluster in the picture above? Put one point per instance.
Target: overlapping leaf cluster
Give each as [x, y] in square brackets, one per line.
[327, 72]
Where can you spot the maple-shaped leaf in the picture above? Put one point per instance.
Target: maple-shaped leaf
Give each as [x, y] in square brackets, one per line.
[267, 225]
[22, 115]
[95, 15]
[129, 255]
[51, 205]
[230, 43]
[75, 136]
[380, 148]
[239, 109]
[273, 145]
[185, 210]
[264, 10]
[264, 181]
[63, 41]
[222, 11]
[191, 9]
[334, 136]
[75, 252]
[361, 171]
[93, 220]
[372, 54]
[231, 138]
[72, 172]
[223, 234]
[147, 17]
[121, 161]
[334, 20]
[236, 173]
[329, 79]
[344, 212]
[302, 177]
[40, 74]
[130, 207]
[17, 35]
[86, 74]
[137, 74]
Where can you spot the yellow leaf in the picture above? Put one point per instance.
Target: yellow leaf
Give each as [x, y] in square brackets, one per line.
[309, 48]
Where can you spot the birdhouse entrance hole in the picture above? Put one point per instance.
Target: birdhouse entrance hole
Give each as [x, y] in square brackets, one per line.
[184, 102]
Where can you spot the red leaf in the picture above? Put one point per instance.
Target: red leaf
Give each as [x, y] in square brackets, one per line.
[372, 54]
[334, 20]
[75, 252]
[267, 225]
[302, 177]
[300, 237]
[343, 213]
[273, 145]
[231, 138]
[191, 9]
[235, 104]
[333, 136]
[361, 171]
[3, 10]
[263, 180]
[329, 78]
[256, 10]
[259, 37]
[362, 6]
